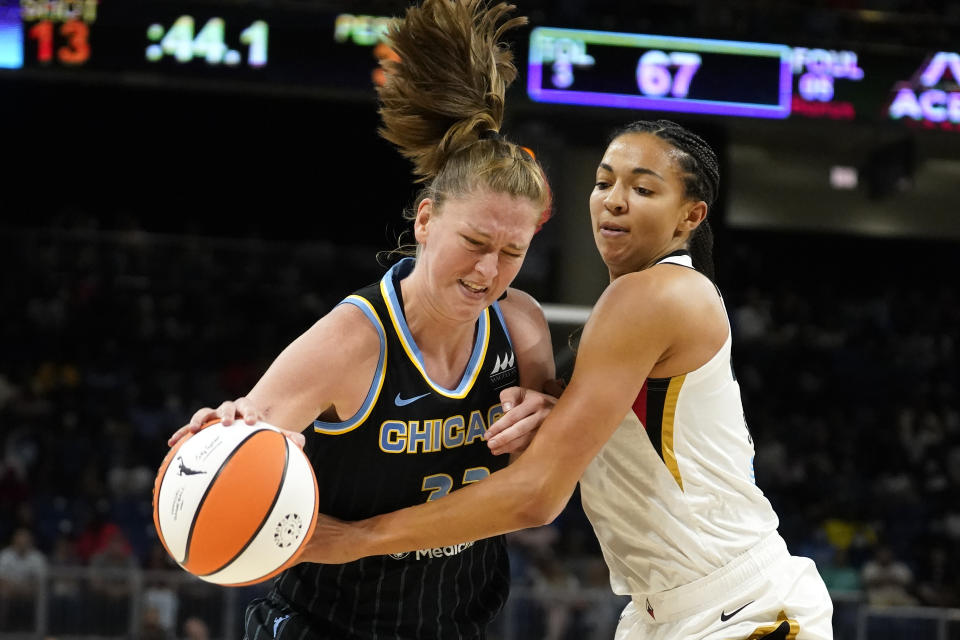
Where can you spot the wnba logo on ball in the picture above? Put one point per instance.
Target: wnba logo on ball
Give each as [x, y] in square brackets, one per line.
[185, 470]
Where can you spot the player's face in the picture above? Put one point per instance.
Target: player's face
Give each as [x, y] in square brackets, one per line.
[638, 207]
[473, 248]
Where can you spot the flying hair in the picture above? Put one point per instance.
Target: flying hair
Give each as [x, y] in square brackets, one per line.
[450, 82]
[442, 104]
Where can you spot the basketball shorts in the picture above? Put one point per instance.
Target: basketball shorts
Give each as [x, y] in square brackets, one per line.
[764, 593]
[269, 619]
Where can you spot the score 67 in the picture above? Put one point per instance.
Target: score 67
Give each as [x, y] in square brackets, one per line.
[654, 78]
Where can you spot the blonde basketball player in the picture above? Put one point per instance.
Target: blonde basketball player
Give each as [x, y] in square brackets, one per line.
[651, 425]
[395, 387]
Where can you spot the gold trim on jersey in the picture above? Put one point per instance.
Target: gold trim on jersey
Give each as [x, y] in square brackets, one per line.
[669, 414]
[766, 630]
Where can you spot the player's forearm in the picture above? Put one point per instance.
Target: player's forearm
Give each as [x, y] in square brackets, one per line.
[530, 492]
[493, 506]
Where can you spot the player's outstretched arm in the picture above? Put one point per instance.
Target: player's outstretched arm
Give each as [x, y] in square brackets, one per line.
[629, 331]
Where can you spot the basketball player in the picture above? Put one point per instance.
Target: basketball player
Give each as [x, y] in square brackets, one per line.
[398, 384]
[651, 424]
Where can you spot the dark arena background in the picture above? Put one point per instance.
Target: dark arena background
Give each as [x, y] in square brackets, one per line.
[187, 185]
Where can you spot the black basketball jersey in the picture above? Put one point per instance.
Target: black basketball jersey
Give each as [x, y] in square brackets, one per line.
[411, 441]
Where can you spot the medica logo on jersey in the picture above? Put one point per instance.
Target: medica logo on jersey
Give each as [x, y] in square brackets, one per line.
[503, 368]
[435, 552]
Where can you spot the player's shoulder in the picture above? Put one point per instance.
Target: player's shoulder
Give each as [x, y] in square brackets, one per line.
[521, 311]
[665, 293]
[664, 283]
[346, 332]
[524, 318]
[520, 302]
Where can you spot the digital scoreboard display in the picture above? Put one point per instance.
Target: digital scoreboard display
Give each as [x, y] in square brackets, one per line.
[659, 73]
[11, 35]
[932, 94]
[305, 49]
[729, 78]
[824, 80]
[211, 42]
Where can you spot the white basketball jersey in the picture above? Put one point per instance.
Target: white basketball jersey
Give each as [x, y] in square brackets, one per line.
[671, 495]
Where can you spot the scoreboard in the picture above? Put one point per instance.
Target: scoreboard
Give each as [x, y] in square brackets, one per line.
[317, 51]
[693, 75]
[659, 73]
[213, 44]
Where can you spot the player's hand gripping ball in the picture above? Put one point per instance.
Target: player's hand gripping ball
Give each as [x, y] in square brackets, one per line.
[235, 505]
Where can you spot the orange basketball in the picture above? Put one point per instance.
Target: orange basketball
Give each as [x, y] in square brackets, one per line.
[235, 505]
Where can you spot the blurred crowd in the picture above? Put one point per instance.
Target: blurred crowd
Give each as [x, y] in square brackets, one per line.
[847, 359]
[848, 365]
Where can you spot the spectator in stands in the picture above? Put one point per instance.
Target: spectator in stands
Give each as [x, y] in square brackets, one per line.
[151, 628]
[195, 628]
[937, 584]
[96, 529]
[112, 584]
[159, 595]
[22, 569]
[558, 594]
[839, 575]
[15, 491]
[602, 609]
[65, 587]
[887, 580]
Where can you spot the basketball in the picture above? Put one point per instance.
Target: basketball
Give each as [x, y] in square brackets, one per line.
[235, 505]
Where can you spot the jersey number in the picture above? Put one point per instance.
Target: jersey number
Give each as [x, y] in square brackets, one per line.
[440, 484]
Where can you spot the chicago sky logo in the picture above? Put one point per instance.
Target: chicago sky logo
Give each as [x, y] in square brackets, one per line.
[504, 368]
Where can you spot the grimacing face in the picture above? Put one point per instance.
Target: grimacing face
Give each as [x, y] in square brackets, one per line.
[472, 248]
[638, 207]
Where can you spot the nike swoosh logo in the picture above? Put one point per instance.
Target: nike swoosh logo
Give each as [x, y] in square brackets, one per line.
[726, 616]
[402, 402]
[276, 624]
